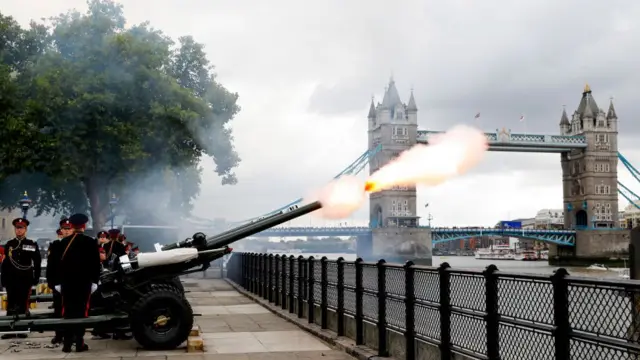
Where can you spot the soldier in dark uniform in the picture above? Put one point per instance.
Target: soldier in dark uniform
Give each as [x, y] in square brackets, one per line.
[114, 246]
[79, 276]
[53, 278]
[103, 237]
[20, 270]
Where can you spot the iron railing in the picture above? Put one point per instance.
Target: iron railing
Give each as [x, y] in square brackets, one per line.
[486, 314]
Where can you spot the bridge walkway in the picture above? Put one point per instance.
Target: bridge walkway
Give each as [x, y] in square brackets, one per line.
[232, 327]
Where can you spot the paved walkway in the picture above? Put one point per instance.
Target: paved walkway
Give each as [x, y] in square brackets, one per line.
[233, 327]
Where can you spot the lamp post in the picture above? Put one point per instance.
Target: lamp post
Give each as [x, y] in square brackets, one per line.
[429, 218]
[112, 207]
[25, 203]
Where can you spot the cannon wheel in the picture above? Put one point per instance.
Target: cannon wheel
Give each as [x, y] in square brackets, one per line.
[175, 282]
[162, 319]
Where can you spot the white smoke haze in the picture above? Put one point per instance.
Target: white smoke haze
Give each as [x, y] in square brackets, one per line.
[341, 198]
[448, 155]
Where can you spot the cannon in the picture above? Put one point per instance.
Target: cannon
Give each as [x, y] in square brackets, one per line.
[143, 294]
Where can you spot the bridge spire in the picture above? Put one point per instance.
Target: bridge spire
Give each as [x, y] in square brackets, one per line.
[587, 88]
[372, 110]
[412, 103]
[611, 114]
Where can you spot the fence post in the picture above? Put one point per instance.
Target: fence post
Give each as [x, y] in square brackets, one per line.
[445, 311]
[243, 270]
[269, 296]
[301, 271]
[561, 314]
[283, 278]
[292, 278]
[259, 274]
[310, 289]
[324, 282]
[493, 317]
[359, 303]
[340, 290]
[277, 267]
[265, 276]
[410, 310]
[382, 308]
[252, 273]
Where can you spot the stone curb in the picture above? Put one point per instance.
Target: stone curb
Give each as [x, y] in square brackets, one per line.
[341, 343]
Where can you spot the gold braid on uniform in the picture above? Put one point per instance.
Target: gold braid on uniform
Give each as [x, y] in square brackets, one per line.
[15, 264]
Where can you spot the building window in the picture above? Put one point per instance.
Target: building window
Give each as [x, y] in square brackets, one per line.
[602, 167]
[400, 132]
[405, 208]
[601, 123]
[603, 212]
[603, 190]
[602, 138]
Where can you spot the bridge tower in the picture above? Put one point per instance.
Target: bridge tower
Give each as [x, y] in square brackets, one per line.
[590, 182]
[393, 125]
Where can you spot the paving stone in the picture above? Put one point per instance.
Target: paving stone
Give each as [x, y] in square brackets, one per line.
[233, 327]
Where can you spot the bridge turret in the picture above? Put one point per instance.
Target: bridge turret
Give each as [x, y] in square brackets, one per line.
[565, 126]
[612, 117]
[589, 175]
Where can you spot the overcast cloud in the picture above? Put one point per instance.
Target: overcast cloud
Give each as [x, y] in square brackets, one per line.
[306, 70]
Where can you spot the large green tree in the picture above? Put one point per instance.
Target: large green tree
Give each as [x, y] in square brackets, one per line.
[102, 109]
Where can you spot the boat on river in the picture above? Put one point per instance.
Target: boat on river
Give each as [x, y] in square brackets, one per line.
[496, 252]
[527, 255]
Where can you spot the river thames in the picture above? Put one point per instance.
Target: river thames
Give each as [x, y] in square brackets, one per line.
[470, 263]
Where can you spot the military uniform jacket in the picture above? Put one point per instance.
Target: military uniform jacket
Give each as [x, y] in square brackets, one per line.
[114, 247]
[22, 262]
[53, 263]
[79, 261]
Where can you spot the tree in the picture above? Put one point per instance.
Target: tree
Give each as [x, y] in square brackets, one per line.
[108, 109]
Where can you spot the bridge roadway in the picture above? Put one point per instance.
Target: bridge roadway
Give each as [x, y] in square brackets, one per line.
[439, 235]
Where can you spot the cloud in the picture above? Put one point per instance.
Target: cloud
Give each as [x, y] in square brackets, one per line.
[306, 71]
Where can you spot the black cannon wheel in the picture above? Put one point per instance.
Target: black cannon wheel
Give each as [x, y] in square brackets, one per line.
[175, 282]
[162, 319]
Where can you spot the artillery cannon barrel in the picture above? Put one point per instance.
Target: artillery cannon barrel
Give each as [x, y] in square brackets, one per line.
[189, 242]
[244, 231]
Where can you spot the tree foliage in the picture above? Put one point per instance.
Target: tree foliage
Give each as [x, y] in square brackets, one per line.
[92, 108]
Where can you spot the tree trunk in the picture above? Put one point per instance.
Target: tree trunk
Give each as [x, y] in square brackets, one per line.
[94, 192]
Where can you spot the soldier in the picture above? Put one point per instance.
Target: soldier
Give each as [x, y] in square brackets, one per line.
[78, 279]
[66, 228]
[20, 270]
[103, 237]
[114, 246]
[53, 269]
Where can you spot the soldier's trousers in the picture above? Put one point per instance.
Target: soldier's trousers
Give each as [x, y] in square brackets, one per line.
[75, 305]
[57, 309]
[18, 296]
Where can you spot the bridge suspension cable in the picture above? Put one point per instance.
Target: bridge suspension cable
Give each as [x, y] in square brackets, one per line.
[353, 169]
[627, 193]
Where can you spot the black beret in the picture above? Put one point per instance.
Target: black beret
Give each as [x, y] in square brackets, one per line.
[78, 219]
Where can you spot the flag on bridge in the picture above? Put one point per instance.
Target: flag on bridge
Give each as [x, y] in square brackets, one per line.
[522, 118]
[477, 116]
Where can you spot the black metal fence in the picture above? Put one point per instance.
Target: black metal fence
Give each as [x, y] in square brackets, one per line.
[479, 314]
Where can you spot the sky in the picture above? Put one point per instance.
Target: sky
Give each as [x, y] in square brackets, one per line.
[306, 70]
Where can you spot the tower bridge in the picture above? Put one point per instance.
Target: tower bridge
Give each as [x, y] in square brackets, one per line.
[588, 146]
[438, 235]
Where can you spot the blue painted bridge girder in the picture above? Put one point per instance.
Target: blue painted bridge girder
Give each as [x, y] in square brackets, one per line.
[504, 140]
[559, 237]
[439, 235]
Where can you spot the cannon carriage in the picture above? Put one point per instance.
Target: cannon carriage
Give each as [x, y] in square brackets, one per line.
[142, 293]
